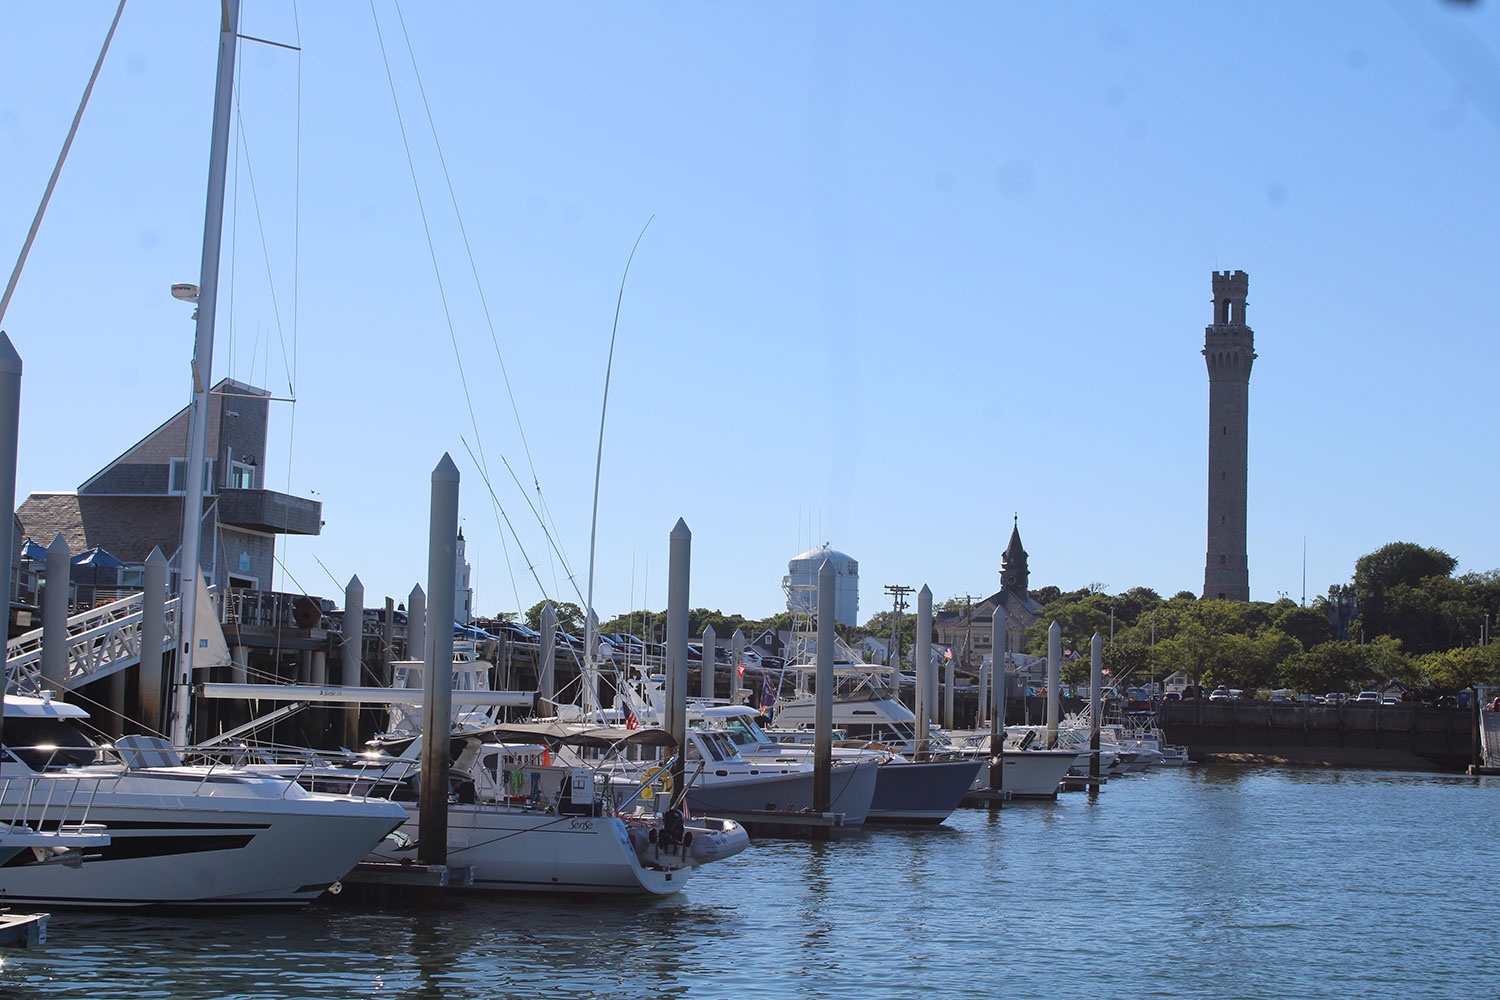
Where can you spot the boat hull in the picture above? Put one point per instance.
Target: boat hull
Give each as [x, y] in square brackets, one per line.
[237, 853]
[851, 790]
[1031, 774]
[525, 850]
[921, 791]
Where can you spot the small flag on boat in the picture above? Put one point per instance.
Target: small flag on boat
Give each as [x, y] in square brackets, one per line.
[631, 722]
[948, 653]
[767, 695]
[739, 671]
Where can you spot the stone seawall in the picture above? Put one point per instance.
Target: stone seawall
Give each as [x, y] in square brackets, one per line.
[1379, 735]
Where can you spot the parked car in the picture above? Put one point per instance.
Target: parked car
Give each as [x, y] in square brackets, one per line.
[1367, 698]
[1172, 696]
[1220, 694]
[515, 631]
[1335, 698]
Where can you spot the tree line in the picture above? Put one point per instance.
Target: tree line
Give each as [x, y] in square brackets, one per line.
[1403, 616]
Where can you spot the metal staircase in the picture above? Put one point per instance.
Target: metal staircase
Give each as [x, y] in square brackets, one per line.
[101, 641]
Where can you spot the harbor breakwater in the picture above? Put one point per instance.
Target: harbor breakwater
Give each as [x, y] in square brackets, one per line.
[1374, 735]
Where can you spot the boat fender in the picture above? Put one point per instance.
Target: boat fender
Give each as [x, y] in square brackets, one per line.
[651, 837]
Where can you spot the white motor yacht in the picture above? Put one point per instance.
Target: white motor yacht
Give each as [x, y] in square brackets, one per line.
[178, 836]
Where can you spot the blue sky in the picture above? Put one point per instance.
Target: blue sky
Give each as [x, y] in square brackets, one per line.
[911, 270]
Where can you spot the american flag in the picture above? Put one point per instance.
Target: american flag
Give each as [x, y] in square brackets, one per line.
[631, 722]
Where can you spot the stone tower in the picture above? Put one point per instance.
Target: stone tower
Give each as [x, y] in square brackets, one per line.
[1229, 349]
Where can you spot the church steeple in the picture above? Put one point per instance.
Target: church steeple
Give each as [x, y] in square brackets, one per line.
[1013, 569]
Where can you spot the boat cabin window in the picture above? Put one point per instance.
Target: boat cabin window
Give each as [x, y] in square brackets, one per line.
[43, 743]
[718, 746]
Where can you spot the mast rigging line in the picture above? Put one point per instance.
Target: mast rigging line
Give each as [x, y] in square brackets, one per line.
[480, 461]
[468, 250]
[500, 511]
[41, 209]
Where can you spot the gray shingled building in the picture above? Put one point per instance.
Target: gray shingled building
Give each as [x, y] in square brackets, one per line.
[135, 503]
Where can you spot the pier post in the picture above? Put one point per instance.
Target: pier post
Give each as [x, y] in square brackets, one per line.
[997, 707]
[151, 674]
[546, 662]
[353, 653]
[1096, 702]
[949, 676]
[706, 675]
[10, 431]
[823, 700]
[318, 676]
[922, 655]
[55, 618]
[387, 641]
[982, 695]
[679, 566]
[1054, 682]
[737, 660]
[239, 669]
[416, 624]
[437, 665]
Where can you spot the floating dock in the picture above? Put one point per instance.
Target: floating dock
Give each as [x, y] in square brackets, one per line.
[986, 798]
[786, 823]
[22, 930]
[383, 881]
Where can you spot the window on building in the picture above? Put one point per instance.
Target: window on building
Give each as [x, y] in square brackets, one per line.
[178, 482]
[241, 476]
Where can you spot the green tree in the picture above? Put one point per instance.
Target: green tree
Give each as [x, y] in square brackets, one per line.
[1309, 626]
[1456, 669]
[1336, 665]
[569, 616]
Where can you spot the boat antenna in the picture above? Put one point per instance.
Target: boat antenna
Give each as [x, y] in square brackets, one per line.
[591, 623]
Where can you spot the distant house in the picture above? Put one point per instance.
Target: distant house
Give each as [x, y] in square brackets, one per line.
[135, 503]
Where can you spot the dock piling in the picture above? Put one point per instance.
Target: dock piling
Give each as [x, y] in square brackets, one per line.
[437, 665]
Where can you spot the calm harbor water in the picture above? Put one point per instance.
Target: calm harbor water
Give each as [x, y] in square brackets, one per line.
[1205, 882]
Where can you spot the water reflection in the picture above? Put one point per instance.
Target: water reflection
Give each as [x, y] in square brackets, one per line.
[1228, 880]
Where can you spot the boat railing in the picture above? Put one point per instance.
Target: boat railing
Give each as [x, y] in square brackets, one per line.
[347, 773]
[61, 805]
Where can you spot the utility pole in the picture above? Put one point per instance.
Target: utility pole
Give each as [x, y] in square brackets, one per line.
[898, 604]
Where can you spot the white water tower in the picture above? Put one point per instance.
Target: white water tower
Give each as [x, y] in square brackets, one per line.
[802, 583]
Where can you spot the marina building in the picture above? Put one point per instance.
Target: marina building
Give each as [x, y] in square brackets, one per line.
[135, 503]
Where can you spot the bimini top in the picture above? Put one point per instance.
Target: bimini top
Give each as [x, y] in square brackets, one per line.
[19, 706]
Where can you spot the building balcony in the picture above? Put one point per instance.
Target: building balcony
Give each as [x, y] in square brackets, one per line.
[270, 512]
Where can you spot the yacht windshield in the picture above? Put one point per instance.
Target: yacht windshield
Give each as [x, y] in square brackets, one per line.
[744, 731]
[44, 743]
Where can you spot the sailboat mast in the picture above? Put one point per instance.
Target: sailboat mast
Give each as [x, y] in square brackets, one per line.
[203, 360]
